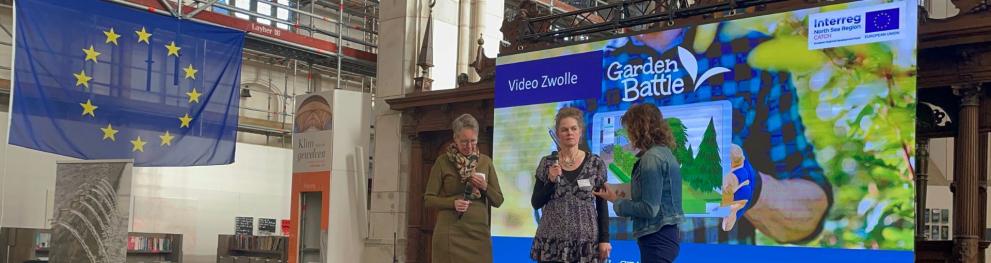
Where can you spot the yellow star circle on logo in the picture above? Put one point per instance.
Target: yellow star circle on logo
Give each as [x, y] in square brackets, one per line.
[143, 36]
[88, 108]
[109, 132]
[166, 138]
[173, 49]
[184, 121]
[111, 36]
[82, 79]
[194, 96]
[190, 72]
[139, 145]
[91, 53]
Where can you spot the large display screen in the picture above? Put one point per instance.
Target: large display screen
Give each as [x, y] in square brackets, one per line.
[795, 132]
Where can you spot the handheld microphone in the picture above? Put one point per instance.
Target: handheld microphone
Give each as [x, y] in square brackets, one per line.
[465, 196]
[553, 157]
[468, 188]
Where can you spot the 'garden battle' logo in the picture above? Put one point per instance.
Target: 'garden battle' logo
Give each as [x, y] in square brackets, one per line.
[663, 83]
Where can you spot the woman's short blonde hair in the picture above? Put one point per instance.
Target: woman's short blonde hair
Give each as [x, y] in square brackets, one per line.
[465, 121]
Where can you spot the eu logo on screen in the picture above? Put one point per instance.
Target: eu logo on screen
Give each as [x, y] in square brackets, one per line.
[882, 20]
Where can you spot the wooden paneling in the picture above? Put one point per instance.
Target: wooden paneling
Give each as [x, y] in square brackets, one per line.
[427, 122]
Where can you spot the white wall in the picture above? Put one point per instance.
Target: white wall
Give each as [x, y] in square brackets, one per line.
[348, 213]
[198, 202]
[201, 202]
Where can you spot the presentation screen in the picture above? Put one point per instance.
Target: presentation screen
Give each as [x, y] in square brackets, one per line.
[794, 131]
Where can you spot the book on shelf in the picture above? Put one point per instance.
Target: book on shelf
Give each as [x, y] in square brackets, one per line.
[258, 243]
[149, 244]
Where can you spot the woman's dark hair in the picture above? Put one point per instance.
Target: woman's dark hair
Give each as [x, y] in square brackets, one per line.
[646, 127]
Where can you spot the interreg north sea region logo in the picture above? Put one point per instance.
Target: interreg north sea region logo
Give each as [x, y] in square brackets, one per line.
[663, 82]
[857, 26]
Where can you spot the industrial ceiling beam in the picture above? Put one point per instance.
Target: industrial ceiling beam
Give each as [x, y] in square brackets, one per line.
[632, 13]
[201, 8]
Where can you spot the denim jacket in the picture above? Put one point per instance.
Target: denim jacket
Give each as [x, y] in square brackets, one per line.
[655, 192]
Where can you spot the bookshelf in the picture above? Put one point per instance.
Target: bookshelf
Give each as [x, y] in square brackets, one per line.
[33, 245]
[24, 244]
[154, 248]
[245, 248]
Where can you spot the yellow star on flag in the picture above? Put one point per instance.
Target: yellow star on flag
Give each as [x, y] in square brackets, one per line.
[91, 53]
[139, 145]
[185, 121]
[88, 108]
[194, 96]
[173, 49]
[82, 79]
[143, 36]
[190, 72]
[111, 36]
[166, 139]
[109, 132]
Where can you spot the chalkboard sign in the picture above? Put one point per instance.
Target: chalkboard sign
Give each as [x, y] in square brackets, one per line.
[266, 225]
[244, 225]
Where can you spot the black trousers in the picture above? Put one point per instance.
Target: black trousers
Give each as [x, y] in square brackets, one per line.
[661, 246]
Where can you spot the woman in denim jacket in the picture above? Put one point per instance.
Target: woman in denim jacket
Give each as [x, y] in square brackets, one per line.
[655, 207]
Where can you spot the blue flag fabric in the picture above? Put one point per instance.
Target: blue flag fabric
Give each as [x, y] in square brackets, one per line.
[97, 80]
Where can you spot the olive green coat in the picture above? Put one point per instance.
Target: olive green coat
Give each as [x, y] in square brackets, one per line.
[467, 239]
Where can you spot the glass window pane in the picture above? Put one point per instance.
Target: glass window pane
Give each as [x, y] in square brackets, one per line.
[265, 9]
[282, 13]
[221, 10]
[243, 4]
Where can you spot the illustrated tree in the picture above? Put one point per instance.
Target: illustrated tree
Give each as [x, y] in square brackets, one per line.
[622, 165]
[680, 131]
[704, 172]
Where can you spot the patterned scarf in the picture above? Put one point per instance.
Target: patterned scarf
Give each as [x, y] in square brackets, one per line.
[466, 167]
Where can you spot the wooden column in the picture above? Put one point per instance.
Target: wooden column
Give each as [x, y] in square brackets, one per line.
[921, 183]
[982, 197]
[416, 249]
[965, 197]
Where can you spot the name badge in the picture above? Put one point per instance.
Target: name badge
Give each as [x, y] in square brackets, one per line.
[585, 183]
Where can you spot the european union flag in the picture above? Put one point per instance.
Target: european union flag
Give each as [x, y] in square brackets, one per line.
[97, 80]
[882, 20]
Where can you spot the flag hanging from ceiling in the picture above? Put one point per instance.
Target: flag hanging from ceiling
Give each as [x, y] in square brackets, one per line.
[98, 80]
